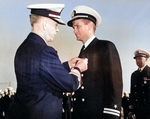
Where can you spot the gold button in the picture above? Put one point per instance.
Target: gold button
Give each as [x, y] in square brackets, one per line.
[71, 99]
[71, 110]
[73, 93]
[82, 87]
[83, 99]
[115, 106]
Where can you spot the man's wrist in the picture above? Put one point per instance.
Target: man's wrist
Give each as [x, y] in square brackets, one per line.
[77, 68]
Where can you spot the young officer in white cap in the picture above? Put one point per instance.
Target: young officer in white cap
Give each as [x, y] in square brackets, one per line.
[100, 95]
[41, 78]
[140, 87]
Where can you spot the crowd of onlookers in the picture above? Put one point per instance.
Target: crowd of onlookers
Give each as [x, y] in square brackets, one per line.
[7, 96]
[6, 101]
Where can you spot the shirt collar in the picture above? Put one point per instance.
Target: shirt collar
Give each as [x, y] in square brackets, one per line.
[141, 69]
[89, 41]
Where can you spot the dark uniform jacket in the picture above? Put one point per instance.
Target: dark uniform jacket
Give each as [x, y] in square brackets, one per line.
[125, 105]
[1, 107]
[100, 95]
[140, 93]
[41, 79]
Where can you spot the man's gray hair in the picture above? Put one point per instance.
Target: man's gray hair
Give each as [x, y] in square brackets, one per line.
[34, 18]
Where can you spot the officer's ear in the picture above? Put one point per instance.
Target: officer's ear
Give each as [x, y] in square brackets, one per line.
[44, 24]
[146, 59]
[91, 26]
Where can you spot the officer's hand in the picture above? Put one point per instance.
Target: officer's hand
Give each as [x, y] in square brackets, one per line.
[82, 64]
[73, 62]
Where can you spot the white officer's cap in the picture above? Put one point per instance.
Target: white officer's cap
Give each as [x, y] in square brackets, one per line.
[51, 11]
[84, 12]
[1, 91]
[141, 53]
[6, 90]
[9, 88]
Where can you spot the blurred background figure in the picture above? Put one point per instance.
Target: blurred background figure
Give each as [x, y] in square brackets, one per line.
[1, 105]
[140, 87]
[6, 101]
[125, 104]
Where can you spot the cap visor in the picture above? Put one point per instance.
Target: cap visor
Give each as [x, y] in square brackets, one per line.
[70, 22]
[59, 21]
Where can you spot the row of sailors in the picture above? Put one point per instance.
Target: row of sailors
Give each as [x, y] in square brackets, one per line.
[68, 106]
[7, 96]
[6, 101]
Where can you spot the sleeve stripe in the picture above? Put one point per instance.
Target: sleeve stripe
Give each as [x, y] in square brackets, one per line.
[112, 111]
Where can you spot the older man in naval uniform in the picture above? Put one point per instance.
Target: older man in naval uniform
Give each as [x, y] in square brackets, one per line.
[41, 78]
[100, 95]
[140, 87]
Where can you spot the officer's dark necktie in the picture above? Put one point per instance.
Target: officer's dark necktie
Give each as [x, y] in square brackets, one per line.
[81, 51]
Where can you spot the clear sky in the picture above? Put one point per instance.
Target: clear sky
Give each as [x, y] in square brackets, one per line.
[124, 22]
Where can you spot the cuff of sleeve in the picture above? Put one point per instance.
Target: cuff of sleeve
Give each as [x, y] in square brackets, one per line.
[77, 69]
[112, 112]
[78, 74]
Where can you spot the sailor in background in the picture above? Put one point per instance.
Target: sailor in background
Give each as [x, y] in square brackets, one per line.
[125, 104]
[2, 104]
[140, 87]
[6, 101]
[100, 95]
